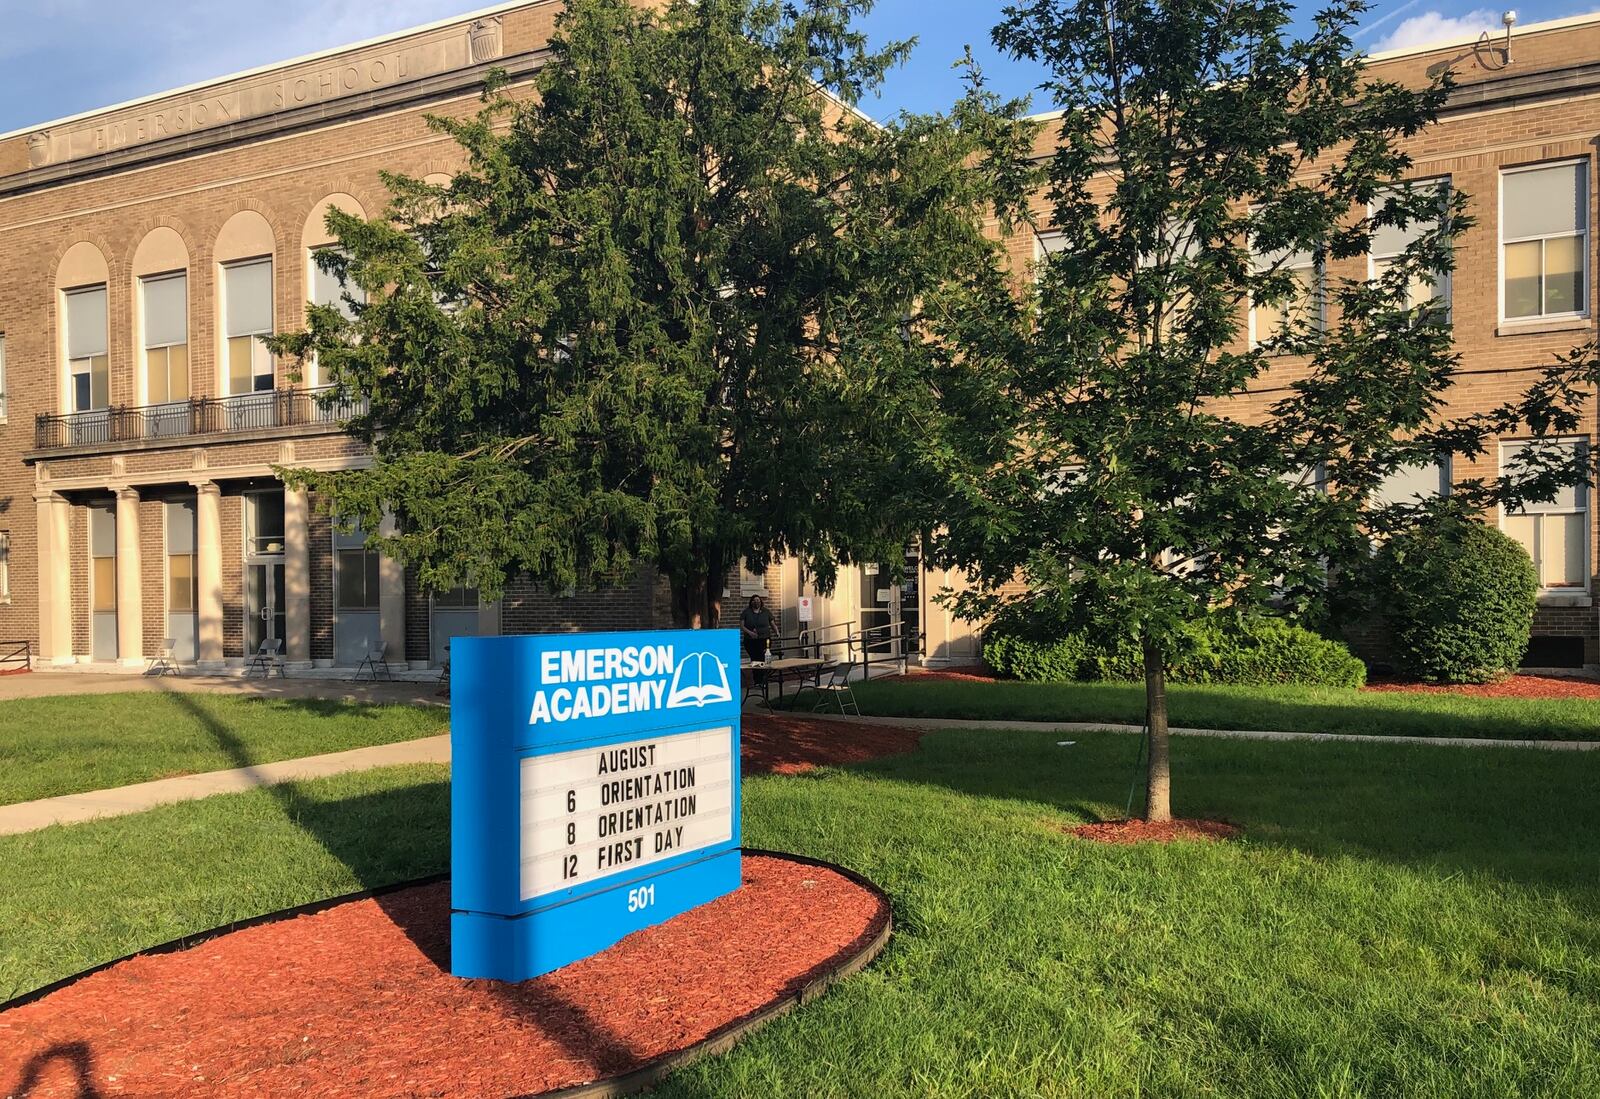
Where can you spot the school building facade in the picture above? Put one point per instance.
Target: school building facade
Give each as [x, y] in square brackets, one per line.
[146, 246]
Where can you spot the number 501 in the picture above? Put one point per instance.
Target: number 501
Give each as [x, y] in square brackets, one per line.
[642, 897]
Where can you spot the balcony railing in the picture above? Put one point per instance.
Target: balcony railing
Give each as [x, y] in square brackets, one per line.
[273, 408]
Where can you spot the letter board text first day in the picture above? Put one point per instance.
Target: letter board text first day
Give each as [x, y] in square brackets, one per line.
[594, 791]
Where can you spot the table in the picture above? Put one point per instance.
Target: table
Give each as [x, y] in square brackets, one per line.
[794, 667]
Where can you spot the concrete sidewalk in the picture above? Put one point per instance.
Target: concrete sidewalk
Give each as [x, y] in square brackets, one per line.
[29, 816]
[932, 723]
[45, 684]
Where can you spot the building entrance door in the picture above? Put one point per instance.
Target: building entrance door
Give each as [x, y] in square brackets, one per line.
[264, 603]
[877, 609]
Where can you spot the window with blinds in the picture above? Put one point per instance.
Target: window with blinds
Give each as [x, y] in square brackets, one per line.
[247, 315]
[1390, 242]
[166, 338]
[88, 368]
[1544, 233]
[1555, 532]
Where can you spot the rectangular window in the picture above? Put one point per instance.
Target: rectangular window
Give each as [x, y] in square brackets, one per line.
[328, 289]
[1305, 303]
[5, 565]
[2, 376]
[1408, 484]
[103, 558]
[1555, 532]
[457, 599]
[1389, 243]
[183, 588]
[356, 569]
[166, 338]
[88, 368]
[1544, 235]
[263, 523]
[247, 315]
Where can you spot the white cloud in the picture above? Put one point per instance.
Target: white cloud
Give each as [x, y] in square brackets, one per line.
[1434, 26]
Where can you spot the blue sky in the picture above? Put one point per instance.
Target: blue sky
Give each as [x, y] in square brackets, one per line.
[59, 57]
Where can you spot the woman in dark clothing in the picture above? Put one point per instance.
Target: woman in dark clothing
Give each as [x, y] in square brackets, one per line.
[755, 625]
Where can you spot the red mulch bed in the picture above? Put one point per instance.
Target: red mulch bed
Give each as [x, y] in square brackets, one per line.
[965, 673]
[1141, 831]
[790, 744]
[1517, 686]
[357, 1000]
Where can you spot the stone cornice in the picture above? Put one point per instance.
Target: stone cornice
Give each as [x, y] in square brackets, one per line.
[412, 94]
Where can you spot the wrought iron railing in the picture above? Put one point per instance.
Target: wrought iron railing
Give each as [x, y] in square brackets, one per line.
[16, 656]
[272, 408]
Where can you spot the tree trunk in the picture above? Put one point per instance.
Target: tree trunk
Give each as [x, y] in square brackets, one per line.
[713, 598]
[688, 601]
[1158, 786]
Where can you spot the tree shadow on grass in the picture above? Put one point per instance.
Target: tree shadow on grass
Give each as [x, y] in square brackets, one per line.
[363, 832]
[1520, 815]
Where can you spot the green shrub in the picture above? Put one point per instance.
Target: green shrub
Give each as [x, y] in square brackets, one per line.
[1459, 598]
[1260, 650]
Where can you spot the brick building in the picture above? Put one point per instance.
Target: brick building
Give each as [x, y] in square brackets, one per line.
[146, 245]
[1518, 138]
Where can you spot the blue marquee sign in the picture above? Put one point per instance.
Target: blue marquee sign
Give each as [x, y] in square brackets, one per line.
[594, 791]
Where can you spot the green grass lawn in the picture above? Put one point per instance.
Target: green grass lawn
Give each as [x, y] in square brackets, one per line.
[67, 744]
[1286, 709]
[1398, 920]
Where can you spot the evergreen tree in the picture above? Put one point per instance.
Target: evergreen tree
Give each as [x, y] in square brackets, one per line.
[669, 312]
[1116, 439]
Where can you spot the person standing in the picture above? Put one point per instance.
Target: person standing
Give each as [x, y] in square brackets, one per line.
[755, 625]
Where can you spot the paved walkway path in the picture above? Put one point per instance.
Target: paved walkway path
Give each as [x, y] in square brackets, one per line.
[28, 816]
[43, 684]
[1227, 734]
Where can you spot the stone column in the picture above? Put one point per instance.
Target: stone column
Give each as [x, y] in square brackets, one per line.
[130, 599]
[208, 572]
[296, 577]
[52, 513]
[392, 600]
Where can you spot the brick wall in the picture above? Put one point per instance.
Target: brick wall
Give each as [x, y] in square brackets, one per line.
[319, 537]
[153, 572]
[529, 609]
[231, 515]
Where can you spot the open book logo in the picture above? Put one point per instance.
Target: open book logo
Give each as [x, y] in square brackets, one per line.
[699, 680]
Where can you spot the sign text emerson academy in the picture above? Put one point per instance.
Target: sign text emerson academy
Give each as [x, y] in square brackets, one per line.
[594, 791]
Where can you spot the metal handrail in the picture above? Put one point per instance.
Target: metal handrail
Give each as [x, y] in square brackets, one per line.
[17, 650]
[268, 408]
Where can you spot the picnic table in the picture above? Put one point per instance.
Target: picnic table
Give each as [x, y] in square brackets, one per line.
[798, 668]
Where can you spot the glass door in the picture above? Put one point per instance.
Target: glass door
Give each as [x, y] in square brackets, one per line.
[877, 609]
[264, 603]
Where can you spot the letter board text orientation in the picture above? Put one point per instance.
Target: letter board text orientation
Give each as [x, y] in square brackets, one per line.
[594, 791]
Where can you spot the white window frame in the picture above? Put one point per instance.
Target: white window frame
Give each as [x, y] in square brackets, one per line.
[71, 393]
[1318, 295]
[1583, 235]
[3, 404]
[313, 374]
[5, 566]
[1542, 509]
[1442, 288]
[225, 382]
[146, 346]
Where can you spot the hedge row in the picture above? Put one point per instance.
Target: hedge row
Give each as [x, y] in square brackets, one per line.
[1262, 650]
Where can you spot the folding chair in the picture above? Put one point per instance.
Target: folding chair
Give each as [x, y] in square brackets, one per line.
[267, 657]
[163, 663]
[812, 683]
[374, 660]
[836, 685]
[444, 673]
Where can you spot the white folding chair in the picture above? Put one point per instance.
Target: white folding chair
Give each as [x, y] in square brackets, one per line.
[373, 661]
[834, 683]
[268, 657]
[163, 663]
